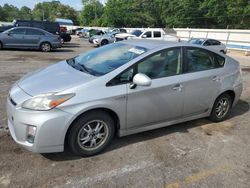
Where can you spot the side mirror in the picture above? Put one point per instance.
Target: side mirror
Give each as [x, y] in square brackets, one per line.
[144, 36]
[141, 80]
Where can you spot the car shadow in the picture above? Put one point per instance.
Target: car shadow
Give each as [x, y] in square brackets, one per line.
[241, 108]
[71, 45]
[61, 50]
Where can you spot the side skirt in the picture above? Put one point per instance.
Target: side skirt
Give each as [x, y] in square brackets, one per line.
[160, 125]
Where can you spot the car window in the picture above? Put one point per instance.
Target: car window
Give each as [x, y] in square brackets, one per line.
[196, 41]
[108, 58]
[148, 34]
[157, 34]
[215, 42]
[200, 60]
[17, 31]
[33, 32]
[207, 43]
[163, 64]
[220, 60]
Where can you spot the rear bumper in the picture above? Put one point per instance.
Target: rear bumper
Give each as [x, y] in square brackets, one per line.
[238, 91]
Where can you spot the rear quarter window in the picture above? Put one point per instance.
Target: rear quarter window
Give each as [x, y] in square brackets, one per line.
[220, 60]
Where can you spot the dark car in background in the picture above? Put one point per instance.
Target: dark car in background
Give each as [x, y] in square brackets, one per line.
[52, 27]
[29, 38]
[4, 28]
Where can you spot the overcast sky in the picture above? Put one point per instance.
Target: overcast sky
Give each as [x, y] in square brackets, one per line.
[31, 3]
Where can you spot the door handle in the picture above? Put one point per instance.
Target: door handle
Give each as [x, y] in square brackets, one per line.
[178, 87]
[216, 78]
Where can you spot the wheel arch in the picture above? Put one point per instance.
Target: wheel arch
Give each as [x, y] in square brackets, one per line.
[42, 42]
[231, 94]
[112, 113]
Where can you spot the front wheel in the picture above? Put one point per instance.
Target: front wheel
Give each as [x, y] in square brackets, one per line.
[221, 108]
[104, 42]
[91, 133]
[45, 47]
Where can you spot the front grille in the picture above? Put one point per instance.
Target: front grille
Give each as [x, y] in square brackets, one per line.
[12, 101]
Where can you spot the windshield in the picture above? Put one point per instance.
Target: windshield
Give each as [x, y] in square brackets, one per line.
[196, 41]
[136, 33]
[106, 59]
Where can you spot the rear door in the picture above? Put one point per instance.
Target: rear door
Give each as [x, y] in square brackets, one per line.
[15, 37]
[157, 35]
[33, 37]
[203, 80]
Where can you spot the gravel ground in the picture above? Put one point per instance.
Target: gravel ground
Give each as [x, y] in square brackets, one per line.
[193, 154]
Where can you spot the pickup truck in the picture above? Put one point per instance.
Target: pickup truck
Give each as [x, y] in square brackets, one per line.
[156, 34]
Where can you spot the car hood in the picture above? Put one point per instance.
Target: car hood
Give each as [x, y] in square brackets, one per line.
[52, 79]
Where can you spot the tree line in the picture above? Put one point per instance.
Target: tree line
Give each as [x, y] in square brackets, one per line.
[232, 14]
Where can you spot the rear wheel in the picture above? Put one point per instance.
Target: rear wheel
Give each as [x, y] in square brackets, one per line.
[221, 108]
[91, 133]
[45, 47]
[104, 42]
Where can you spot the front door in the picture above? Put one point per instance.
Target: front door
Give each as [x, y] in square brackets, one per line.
[15, 37]
[163, 100]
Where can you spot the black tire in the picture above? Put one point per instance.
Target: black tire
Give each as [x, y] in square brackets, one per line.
[77, 134]
[45, 47]
[1, 45]
[219, 108]
[104, 42]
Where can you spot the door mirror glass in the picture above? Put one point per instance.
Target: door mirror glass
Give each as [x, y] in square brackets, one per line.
[142, 80]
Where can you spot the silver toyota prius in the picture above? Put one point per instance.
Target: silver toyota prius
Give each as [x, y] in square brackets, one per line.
[120, 89]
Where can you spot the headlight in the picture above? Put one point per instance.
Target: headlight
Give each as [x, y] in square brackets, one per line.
[46, 101]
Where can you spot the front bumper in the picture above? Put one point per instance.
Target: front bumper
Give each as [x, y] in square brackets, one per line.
[51, 128]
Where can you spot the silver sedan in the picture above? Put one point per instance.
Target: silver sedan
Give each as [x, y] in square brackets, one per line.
[29, 38]
[120, 89]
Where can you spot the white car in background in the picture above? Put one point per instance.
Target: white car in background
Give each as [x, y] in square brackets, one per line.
[210, 43]
[156, 34]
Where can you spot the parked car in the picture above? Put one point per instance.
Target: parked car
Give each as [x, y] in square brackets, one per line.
[122, 88]
[76, 31]
[93, 32]
[101, 40]
[52, 27]
[155, 34]
[4, 28]
[66, 37]
[125, 36]
[210, 43]
[83, 33]
[29, 38]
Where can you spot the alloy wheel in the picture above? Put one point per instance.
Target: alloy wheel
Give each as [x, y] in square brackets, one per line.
[222, 107]
[92, 135]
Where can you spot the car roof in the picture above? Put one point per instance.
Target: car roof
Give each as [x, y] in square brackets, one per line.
[204, 39]
[28, 28]
[151, 44]
[154, 44]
